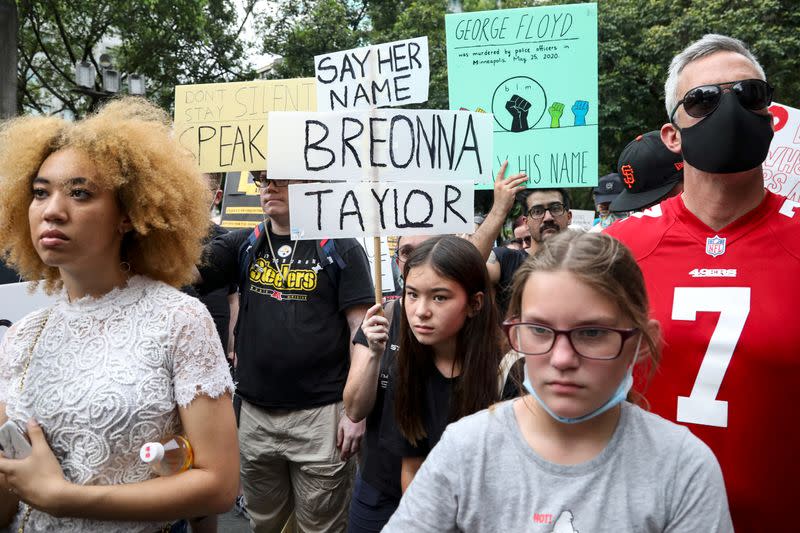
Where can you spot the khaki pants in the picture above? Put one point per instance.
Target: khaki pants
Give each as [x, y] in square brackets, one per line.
[289, 462]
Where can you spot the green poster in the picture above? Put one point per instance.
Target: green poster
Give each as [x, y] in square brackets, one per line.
[535, 70]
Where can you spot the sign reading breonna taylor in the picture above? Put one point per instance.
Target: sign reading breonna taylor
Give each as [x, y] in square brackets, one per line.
[356, 209]
[388, 74]
[381, 144]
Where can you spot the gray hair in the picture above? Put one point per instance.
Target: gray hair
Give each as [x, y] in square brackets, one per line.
[709, 44]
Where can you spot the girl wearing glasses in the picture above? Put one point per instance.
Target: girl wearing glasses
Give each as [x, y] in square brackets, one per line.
[110, 213]
[573, 455]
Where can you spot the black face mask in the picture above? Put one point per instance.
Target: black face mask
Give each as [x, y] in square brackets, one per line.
[731, 139]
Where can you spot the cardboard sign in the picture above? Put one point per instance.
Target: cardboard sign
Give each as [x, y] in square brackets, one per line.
[16, 301]
[782, 166]
[381, 145]
[225, 124]
[535, 70]
[389, 74]
[334, 210]
[387, 280]
[241, 207]
[582, 219]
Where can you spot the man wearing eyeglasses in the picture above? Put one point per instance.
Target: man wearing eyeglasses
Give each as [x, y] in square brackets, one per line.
[546, 214]
[301, 302]
[722, 263]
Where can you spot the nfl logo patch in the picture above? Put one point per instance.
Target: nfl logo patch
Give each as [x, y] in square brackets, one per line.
[715, 245]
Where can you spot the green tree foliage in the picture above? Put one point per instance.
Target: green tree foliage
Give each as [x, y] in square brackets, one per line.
[637, 40]
[297, 30]
[170, 42]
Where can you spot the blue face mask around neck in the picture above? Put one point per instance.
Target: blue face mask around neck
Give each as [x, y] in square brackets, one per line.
[618, 397]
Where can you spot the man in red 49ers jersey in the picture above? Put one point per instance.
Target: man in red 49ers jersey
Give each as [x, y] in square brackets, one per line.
[722, 267]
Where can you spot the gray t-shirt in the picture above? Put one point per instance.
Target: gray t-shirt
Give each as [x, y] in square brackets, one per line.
[484, 477]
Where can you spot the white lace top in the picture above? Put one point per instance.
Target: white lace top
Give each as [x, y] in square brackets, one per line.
[106, 376]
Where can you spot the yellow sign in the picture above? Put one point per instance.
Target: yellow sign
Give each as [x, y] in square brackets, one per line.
[244, 211]
[237, 224]
[225, 124]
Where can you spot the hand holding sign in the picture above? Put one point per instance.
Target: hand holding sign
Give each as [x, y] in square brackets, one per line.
[506, 189]
[376, 330]
[556, 110]
[580, 108]
[518, 107]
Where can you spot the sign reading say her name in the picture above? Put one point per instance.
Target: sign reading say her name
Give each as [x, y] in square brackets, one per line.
[225, 124]
[357, 209]
[381, 144]
[535, 70]
[782, 166]
[389, 74]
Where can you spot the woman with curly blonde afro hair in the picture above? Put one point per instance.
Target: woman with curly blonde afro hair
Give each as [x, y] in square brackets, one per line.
[110, 212]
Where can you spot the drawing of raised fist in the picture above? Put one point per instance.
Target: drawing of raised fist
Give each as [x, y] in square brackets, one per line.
[579, 109]
[518, 107]
[556, 110]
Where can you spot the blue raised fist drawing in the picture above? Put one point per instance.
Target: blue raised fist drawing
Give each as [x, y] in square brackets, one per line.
[518, 107]
[580, 108]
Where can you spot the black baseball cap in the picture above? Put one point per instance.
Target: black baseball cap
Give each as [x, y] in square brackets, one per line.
[649, 171]
[608, 187]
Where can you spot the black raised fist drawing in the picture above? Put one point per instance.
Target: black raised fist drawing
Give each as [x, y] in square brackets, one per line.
[518, 107]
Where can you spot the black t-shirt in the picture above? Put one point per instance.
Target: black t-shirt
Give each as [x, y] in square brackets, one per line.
[510, 260]
[292, 337]
[380, 467]
[216, 301]
[7, 275]
[435, 417]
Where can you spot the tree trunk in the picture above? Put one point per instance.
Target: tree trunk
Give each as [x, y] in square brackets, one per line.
[8, 58]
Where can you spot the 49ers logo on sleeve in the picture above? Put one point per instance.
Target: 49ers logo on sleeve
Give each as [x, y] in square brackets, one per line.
[715, 246]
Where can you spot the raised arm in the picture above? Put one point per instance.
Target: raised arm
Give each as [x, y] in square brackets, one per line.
[365, 361]
[505, 191]
[350, 432]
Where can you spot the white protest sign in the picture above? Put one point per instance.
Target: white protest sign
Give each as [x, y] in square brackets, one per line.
[357, 209]
[16, 302]
[782, 166]
[387, 280]
[582, 218]
[389, 74]
[224, 125]
[385, 144]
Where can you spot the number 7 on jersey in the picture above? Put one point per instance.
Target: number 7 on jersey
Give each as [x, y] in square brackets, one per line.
[733, 305]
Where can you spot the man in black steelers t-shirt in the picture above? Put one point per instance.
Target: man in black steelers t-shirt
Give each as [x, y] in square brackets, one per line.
[301, 302]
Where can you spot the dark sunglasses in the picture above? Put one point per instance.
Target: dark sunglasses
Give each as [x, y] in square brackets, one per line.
[703, 100]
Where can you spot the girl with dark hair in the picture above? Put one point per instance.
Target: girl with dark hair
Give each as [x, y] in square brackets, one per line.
[573, 455]
[448, 363]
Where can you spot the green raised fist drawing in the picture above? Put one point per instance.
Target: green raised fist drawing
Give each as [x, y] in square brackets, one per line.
[556, 110]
